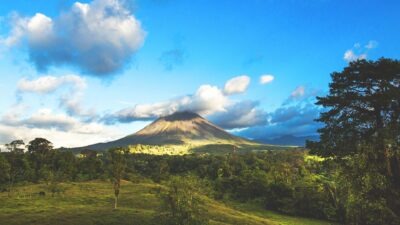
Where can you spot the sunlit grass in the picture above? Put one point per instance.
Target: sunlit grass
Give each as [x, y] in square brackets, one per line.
[92, 203]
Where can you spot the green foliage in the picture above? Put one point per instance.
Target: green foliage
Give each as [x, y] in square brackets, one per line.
[41, 153]
[56, 188]
[4, 171]
[64, 166]
[117, 160]
[20, 167]
[279, 180]
[90, 166]
[181, 202]
[282, 180]
[16, 146]
[362, 135]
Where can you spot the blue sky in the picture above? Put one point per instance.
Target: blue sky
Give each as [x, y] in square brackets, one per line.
[80, 73]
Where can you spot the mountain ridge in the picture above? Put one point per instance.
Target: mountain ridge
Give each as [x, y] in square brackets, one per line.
[289, 140]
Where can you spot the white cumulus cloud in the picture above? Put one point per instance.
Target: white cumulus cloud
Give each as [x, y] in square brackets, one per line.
[205, 101]
[209, 101]
[99, 37]
[266, 79]
[237, 85]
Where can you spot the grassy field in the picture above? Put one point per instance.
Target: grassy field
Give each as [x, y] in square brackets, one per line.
[92, 203]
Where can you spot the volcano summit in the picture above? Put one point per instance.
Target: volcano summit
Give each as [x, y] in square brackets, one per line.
[180, 128]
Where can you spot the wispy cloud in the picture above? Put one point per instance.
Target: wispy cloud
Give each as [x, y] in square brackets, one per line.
[70, 101]
[67, 125]
[48, 84]
[298, 92]
[371, 45]
[359, 52]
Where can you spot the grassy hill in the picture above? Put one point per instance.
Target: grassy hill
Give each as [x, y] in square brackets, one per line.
[91, 203]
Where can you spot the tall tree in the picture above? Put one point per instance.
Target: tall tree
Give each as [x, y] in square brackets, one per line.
[41, 152]
[40, 145]
[19, 165]
[16, 146]
[362, 132]
[117, 157]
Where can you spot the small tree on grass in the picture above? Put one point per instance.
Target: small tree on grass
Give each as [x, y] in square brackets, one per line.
[181, 204]
[117, 157]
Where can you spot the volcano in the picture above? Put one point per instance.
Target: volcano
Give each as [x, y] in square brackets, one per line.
[180, 128]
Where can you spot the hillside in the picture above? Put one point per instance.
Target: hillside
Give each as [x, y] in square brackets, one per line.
[181, 128]
[90, 203]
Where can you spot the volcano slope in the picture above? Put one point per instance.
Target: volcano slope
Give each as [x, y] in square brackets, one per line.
[181, 133]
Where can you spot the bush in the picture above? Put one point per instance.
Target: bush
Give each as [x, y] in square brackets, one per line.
[181, 204]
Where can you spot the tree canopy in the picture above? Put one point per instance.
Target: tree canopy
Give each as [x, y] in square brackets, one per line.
[362, 133]
[363, 107]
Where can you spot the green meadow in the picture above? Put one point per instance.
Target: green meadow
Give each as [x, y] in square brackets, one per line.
[92, 203]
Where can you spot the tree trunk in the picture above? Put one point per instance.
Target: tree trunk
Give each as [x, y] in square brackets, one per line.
[11, 186]
[115, 202]
[383, 157]
[116, 193]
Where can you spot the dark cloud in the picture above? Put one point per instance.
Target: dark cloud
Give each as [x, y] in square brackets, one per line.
[297, 120]
[294, 118]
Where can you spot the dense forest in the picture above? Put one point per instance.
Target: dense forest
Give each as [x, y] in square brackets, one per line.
[351, 175]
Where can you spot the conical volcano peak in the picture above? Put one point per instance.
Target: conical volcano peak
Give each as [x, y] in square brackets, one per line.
[182, 116]
[179, 128]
